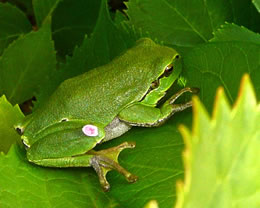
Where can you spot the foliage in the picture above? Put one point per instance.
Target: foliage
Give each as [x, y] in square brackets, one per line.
[221, 156]
[43, 43]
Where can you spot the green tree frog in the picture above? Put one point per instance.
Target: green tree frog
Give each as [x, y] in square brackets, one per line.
[100, 105]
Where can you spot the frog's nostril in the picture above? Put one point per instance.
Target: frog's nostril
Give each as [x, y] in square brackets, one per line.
[19, 130]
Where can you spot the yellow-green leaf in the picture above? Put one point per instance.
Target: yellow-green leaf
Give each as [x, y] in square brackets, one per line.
[9, 115]
[222, 157]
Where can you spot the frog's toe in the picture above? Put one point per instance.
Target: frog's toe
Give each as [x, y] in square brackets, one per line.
[126, 145]
[195, 90]
[132, 178]
[106, 187]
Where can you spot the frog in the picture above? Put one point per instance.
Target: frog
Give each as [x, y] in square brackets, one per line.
[103, 104]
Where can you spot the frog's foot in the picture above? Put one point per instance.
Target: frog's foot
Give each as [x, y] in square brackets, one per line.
[105, 160]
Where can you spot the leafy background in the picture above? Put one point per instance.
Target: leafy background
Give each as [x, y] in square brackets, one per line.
[43, 43]
[228, 175]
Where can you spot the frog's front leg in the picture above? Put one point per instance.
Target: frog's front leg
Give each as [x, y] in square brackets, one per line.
[143, 115]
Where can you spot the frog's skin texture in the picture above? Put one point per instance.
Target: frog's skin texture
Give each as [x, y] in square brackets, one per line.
[110, 100]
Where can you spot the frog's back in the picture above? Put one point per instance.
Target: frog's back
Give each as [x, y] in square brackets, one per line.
[100, 94]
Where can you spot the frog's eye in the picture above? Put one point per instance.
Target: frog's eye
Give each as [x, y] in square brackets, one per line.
[168, 70]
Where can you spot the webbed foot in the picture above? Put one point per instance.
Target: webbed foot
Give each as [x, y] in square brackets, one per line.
[105, 160]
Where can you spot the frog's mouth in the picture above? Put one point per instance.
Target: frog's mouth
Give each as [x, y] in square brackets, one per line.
[164, 81]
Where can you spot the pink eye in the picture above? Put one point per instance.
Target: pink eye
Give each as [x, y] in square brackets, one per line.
[90, 130]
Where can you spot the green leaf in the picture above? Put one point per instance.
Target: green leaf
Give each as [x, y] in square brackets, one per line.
[119, 17]
[257, 4]
[187, 23]
[182, 23]
[26, 64]
[9, 115]
[232, 32]
[244, 13]
[26, 185]
[13, 23]
[72, 20]
[102, 46]
[44, 9]
[222, 64]
[222, 154]
[24, 5]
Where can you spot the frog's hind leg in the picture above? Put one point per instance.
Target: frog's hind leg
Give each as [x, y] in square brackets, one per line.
[105, 160]
[102, 161]
[72, 148]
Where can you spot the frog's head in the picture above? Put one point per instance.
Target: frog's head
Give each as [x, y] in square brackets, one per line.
[163, 69]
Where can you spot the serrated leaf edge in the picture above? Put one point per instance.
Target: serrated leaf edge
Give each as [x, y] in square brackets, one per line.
[16, 106]
[225, 25]
[246, 91]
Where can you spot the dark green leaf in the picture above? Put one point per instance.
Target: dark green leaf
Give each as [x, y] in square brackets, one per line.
[13, 23]
[71, 21]
[222, 64]
[119, 17]
[244, 13]
[43, 9]
[26, 64]
[103, 45]
[24, 5]
[182, 23]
